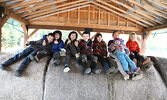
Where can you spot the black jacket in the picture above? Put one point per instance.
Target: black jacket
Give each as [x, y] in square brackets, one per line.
[71, 44]
[37, 45]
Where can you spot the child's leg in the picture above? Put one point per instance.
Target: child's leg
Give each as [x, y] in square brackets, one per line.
[56, 59]
[56, 56]
[123, 61]
[86, 70]
[103, 63]
[93, 59]
[67, 63]
[130, 62]
[17, 57]
[67, 59]
[24, 64]
[121, 70]
[108, 62]
[73, 50]
[75, 53]
[93, 64]
[133, 57]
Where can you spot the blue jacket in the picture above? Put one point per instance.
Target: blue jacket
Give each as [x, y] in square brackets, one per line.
[57, 47]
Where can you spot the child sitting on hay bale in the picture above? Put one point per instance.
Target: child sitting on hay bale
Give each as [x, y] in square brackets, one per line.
[117, 47]
[57, 45]
[72, 50]
[86, 51]
[135, 55]
[40, 45]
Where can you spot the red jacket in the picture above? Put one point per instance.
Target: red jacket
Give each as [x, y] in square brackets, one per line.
[133, 46]
[86, 47]
[100, 49]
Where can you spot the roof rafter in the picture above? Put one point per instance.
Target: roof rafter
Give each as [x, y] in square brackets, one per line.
[148, 7]
[50, 8]
[108, 9]
[57, 11]
[39, 5]
[23, 4]
[141, 12]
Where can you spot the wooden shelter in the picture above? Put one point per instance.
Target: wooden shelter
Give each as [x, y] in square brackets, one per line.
[140, 16]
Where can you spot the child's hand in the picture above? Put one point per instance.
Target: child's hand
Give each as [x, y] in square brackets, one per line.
[113, 47]
[44, 43]
[122, 47]
[69, 41]
[56, 42]
[76, 43]
[38, 52]
[77, 55]
[27, 42]
[139, 53]
[104, 56]
[132, 53]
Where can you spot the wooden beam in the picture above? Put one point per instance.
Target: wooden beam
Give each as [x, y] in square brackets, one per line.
[80, 33]
[141, 12]
[124, 28]
[23, 4]
[158, 27]
[143, 45]
[78, 15]
[115, 15]
[99, 17]
[40, 5]
[64, 9]
[33, 33]
[148, 7]
[93, 36]
[25, 30]
[108, 19]
[115, 12]
[139, 40]
[3, 20]
[157, 3]
[131, 15]
[50, 8]
[89, 15]
[51, 27]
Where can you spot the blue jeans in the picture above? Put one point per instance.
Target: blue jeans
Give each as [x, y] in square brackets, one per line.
[25, 53]
[125, 61]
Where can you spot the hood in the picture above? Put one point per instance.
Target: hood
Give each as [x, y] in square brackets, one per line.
[73, 32]
[60, 33]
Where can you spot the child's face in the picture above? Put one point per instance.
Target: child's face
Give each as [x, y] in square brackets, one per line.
[99, 39]
[116, 35]
[133, 38]
[73, 36]
[117, 42]
[50, 39]
[57, 36]
[86, 37]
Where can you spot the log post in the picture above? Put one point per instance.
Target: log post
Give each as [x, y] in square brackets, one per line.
[25, 30]
[145, 37]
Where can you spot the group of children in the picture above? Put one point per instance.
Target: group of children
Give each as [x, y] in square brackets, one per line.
[83, 50]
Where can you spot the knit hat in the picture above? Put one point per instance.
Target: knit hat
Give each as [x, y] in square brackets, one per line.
[116, 31]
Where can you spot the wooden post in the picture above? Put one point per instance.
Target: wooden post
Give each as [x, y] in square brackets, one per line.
[25, 29]
[33, 33]
[94, 36]
[80, 33]
[99, 17]
[143, 45]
